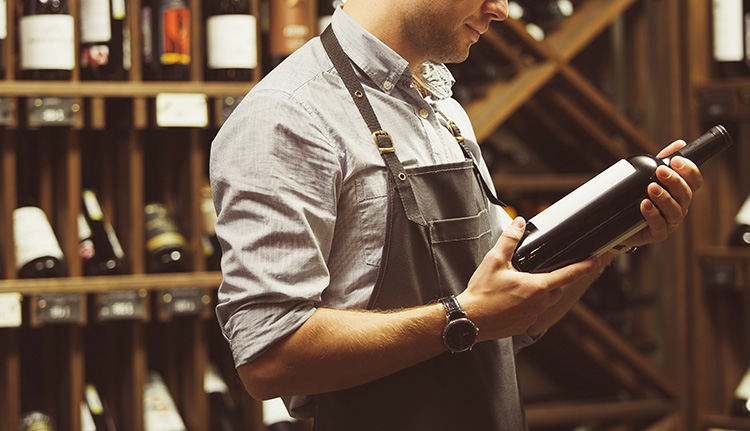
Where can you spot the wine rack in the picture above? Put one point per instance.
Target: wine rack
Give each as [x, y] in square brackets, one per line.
[555, 95]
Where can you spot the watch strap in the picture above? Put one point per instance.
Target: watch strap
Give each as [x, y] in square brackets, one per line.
[452, 307]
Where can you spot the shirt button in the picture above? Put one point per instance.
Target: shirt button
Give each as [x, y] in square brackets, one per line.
[423, 113]
[388, 85]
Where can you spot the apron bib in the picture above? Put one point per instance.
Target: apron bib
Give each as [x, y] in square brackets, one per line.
[438, 231]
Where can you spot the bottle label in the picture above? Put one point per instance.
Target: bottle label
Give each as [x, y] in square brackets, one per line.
[743, 216]
[3, 19]
[47, 42]
[175, 36]
[231, 42]
[86, 247]
[728, 30]
[290, 28]
[95, 25]
[93, 400]
[119, 12]
[159, 410]
[582, 196]
[33, 236]
[743, 389]
[161, 230]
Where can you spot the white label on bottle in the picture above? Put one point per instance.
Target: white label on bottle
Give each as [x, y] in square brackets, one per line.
[93, 400]
[95, 23]
[743, 216]
[10, 310]
[231, 42]
[181, 110]
[159, 410]
[87, 422]
[728, 30]
[274, 411]
[3, 19]
[582, 196]
[212, 381]
[47, 42]
[118, 9]
[743, 389]
[33, 236]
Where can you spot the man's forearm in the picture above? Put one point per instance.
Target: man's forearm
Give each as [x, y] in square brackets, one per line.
[337, 349]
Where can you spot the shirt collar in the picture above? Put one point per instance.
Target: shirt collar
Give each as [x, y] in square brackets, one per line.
[384, 66]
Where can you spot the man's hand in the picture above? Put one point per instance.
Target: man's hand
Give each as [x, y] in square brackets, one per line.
[668, 205]
[503, 301]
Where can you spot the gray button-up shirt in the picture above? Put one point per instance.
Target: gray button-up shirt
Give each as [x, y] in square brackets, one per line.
[300, 187]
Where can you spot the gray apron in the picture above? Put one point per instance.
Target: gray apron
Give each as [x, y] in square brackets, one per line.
[438, 231]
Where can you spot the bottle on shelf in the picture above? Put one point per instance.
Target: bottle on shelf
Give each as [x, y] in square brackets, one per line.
[231, 40]
[291, 26]
[730, 33]
[99, 247]
[167, 40]
[105, 40]
[276, 417]
[97, 410]
[38, 253]
[3, 35]
[46, 40]
[211, 246]
[602, 212]
[165, 245]
[741, 234]
[224, 414]
[741, 403]
[159, 410]
[36, 421]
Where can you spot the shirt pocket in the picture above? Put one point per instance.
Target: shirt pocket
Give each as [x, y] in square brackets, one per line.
[372, 208]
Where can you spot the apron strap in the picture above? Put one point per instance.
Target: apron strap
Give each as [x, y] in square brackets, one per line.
[382, 138]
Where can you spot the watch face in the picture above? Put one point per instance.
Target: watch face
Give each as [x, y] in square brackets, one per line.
[460, 335]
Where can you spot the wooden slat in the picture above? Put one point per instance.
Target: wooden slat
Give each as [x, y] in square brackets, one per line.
[157, 282]
[111, 89]
[8, 203]
[540, 182]
[577, 413]
[10, 382]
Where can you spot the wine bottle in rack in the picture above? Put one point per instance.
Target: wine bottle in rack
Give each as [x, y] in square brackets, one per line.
[167, 39]
[276, 417]
[224, 414]
[97, 409]
[46, 40]
[604, 211]
[100, 249]
[231, 40]
[3, 35]
[159, 410]
[730, 30]
[741, 403]
[291, 25]
[165, 245]
[38, 253]
[741, 233]
[36, 421]
[105, 40]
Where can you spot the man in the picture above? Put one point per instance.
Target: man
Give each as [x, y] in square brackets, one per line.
[367, 279]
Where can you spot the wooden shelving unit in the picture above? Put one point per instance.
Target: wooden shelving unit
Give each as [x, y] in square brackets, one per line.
[555, 98]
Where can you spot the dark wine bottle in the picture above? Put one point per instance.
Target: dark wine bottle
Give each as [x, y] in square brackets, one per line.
[290, 28]
[741, 403]
[730, 30]
[36, 421]
[172, 40]
[38, 253]
[276, 417]
[224, 413]
[100, 249]
[741, 234]
[98, 409]
[165, 245]
[47, 43]
[604, 211]
[103, 37]
[231, 41]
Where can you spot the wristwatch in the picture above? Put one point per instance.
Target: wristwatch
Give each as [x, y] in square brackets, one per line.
[460, 333]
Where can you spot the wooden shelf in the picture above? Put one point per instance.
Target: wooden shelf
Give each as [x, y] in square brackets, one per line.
[150, 282]
[124, 89]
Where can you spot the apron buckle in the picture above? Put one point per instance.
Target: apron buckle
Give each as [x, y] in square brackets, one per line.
[384, 141]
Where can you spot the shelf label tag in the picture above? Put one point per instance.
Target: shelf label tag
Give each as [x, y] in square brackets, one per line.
[185, 302]
[7, 111]
[181, 110]
[122, 305]
[10, 310]
[59, 308]
[52, 111]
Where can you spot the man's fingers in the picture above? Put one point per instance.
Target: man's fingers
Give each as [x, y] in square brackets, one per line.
[508, 241]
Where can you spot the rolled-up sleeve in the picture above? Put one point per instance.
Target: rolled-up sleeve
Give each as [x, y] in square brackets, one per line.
[275, 181]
